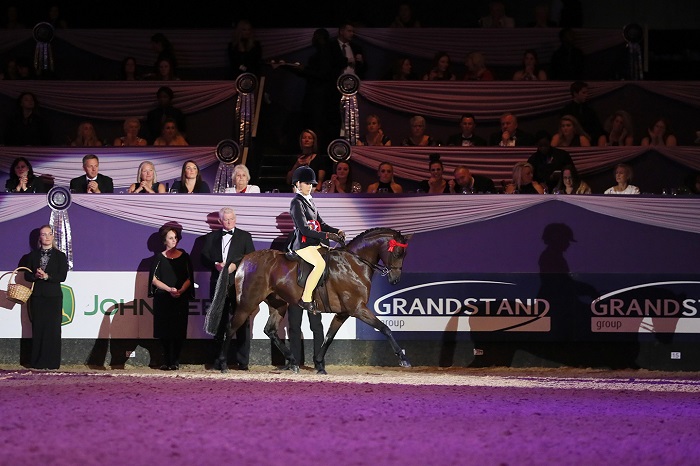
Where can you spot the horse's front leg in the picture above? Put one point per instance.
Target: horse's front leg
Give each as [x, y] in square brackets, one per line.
[368, 317]
[320, 358]
[271, 327]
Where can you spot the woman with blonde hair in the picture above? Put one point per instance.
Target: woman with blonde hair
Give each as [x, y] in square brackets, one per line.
[523, 181]
[147, 180]
[132, 127]
[571, 134]
[618, 130]
[87, 136]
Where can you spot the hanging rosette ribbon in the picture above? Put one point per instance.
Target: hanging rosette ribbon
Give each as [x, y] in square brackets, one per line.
[246, 84]
[339, 150]
[228, 152]
[348, 84]
[634, 35]
[59, 199]
[43, 55]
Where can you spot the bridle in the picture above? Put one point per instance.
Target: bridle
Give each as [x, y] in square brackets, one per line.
[383, 269]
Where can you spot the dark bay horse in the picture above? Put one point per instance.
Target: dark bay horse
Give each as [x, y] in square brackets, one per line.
[268, 276]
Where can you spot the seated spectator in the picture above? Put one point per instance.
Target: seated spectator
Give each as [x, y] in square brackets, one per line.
[441, 69]
[22, 178]
[165, 70]
[618, 130]
[92, 181]
[571, 183]
[402, 70]
[308, 143]
[87, 136]
[418, 136]
[476, 68]
[241, 181]
[570, 134]
[692, 183]
[165, 109]
[132, 128]
[128, 70]
[341, 181]
[11, 20]
[27, 126]
[375, 134]
[567, 63]
[163, 48]
[170, 135]
[466, 136]
[531, 68]
[244, 50]
[548, 162]
[436, 184]
[510, 135]
[497, 17]
[523, 182]
[579, 109]
[660, 134]
[465, 182]
[147, 180]
[623, 176]
[405, 18]
[386, 183]
[542, 17]
[190, 180]
[55, 19]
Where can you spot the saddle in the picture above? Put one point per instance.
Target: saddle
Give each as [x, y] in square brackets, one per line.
[304, 268]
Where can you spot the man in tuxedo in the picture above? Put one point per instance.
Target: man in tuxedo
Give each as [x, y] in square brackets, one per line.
[510, 135]
[92, 182]
[466, 183]
[226, 248]
[349, 55]
[466, 136]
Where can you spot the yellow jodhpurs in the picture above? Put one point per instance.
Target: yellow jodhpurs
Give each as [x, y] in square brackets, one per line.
[311, 255]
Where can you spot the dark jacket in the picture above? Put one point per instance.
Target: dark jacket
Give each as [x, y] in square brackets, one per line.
[456, 140]
[104, 183]
[305, 216]
[521, 138]
[57, 269]
[241, 244]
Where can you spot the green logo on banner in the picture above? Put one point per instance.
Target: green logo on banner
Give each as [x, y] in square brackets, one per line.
[68, 311]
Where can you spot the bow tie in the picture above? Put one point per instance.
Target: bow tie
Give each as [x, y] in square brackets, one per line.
[228, 232]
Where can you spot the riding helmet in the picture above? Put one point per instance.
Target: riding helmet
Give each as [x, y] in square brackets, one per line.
[304, 174]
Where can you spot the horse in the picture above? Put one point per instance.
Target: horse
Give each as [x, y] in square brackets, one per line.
[269, 276]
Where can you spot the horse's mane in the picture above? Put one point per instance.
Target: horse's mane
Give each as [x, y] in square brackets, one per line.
[372, 231]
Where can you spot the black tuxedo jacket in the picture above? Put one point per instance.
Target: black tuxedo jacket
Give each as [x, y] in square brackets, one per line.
[79, 184]
[341, 61]
[521, 138]
[57, 268]
[241, 244]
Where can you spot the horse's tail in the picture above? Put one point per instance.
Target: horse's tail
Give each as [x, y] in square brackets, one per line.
[216, 307]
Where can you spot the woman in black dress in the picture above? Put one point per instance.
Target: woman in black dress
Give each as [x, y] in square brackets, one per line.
[171, 280]
[49, 268]
[22, 178]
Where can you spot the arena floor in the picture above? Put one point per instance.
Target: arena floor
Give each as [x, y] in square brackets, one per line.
[353, 416]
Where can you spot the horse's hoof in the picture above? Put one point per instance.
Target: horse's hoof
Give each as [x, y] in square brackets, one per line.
[404, 363]
[321, 372]
[224, 369]
[294, 368]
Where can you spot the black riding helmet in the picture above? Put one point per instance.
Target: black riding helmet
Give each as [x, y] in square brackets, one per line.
[304, 174]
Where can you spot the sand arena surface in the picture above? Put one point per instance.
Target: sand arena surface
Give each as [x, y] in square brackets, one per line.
[354, 415]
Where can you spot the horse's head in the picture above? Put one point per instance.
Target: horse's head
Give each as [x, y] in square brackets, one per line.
[393, 254]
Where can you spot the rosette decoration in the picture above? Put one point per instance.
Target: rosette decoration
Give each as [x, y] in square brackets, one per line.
[59, 199]
[246, 84]
[43, 55]
[348, 84]
[634, 35]
[228, 152]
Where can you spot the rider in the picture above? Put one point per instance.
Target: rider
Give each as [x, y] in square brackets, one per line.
[310, 232]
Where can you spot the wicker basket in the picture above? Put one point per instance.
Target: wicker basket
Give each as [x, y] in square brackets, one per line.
[16, 292]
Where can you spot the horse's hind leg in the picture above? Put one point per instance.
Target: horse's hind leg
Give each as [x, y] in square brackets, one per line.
[366, 316]
[271, 327]
[320, 358]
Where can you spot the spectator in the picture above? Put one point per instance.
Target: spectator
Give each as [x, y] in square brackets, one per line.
[308, 143]
[165, 110]
[567, 63]
[418, 136]
[170, 135]
[497, 17]
[476, 68]
[402, 70]
[570, 134]
[27, 127]
[190, 180]
[348, 56]
[523, 182]
[386, 182]
[571, 183]
[165, 70]
[163, 48]
[55, 19]
[341, 180]
[405, 18]
[244, 51]
[375, 134]
[692, 183]
[510, 135]
[93, 181]
[623, 176]
[466, 136]
[129, 70]
[659, 134]
[618, 130]
[241, 181]
[436, 184]
[441, 69]
[147, 180]
[22, 178]
[86, 136]
[531, 68]
[579, 109]
[542, 17]
[465, 182]
[12, 20]
[548, 162]
[132, 127]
